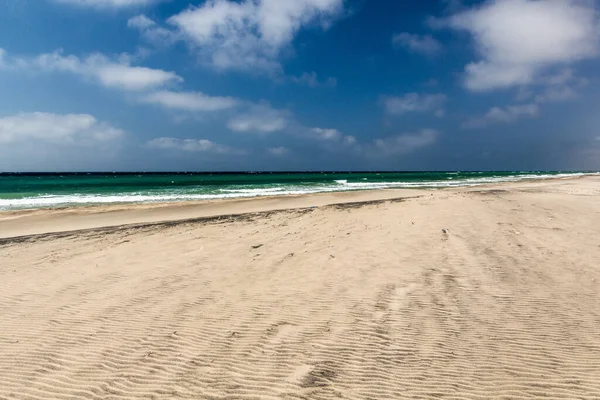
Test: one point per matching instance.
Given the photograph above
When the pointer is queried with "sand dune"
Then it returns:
(356, 301)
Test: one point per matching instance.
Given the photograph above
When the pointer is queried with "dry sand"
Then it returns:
(356, 301)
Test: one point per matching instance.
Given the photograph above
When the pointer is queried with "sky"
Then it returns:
(254, 85)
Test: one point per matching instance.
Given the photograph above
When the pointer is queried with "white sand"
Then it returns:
(354, 302)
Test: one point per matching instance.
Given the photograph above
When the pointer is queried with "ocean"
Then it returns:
(53, 190)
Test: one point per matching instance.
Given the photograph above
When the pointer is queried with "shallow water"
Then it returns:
(20, 191)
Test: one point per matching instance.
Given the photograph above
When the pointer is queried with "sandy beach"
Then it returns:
(468, 293)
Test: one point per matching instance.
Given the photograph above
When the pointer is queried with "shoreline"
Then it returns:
(72, 200)
(39, 222)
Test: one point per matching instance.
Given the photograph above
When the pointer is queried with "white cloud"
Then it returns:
(423, 44)
(134, 78)
(556, 94)
(108, 3)
(62, 129)
(260, 118)
(563, 77)
(11, 63)
(118, 74)
(510, 114)
(562, 86)
(503, 115)
(312, 80)
(414, 102)
(250, 34)
(39, 141)
(191, 145)
(349, 140)
(114, 73)
(190, 101)
(151, 31)
(140, 22)
(331, 135)
(326, 134)
(518, 40)
(404, 143)
(278, 151)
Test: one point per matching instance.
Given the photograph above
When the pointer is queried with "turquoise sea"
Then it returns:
(51, 190)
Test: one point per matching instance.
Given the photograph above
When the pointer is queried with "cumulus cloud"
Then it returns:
(414, 102)
(190, 101)
(404, 143)
(331, 135)
(251, 34)
(191, 145)
(503, 115)
(114, 73)
(422, 44)
(62, 129)
(326, 134)
(10, 63)
(40, 141)
(518, 40)
(134, 78)
(260, 118)
(110, 73)
(311, 80)
(278, 151)
(556, 94)
(140, 22)
(349, 140)
(151, 31)
(562, 86)
(108, 3)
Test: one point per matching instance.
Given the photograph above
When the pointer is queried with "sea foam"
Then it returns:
(52, 201)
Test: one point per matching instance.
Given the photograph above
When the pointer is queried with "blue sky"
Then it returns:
(152, 85)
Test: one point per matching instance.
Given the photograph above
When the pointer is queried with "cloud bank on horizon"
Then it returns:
(300, 84)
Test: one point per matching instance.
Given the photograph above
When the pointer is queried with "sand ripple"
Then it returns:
(368, 302)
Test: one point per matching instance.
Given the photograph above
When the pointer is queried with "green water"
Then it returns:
(18, 191)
